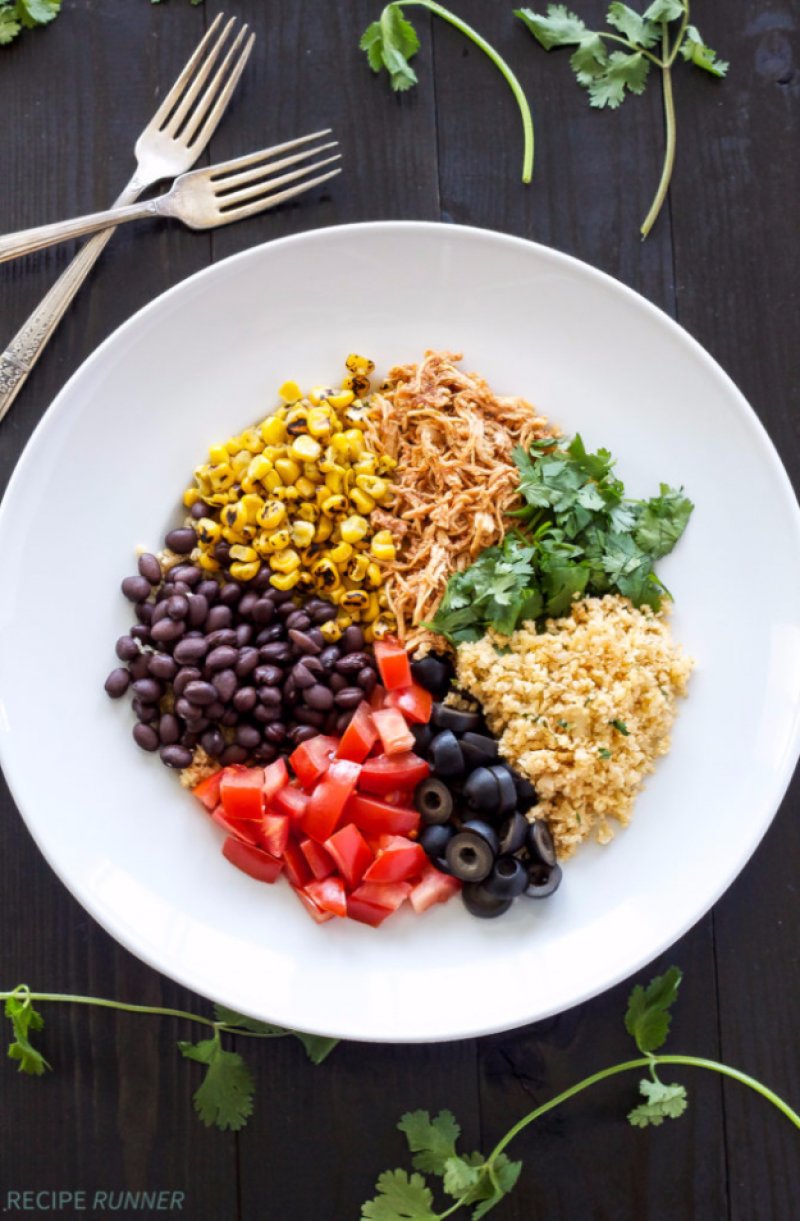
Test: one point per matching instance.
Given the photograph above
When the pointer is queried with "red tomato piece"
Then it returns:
(328, 894)
(397, 860)
(320, 862)
(273, 833)
(297, 870)
(375, 817)
(415, 703)
(292, 801)
(275, 777)
(326, 803)
(253, 861)
(351, 853)
(247, 832)
(385, 773)
(311, 759)
(366, 913)
(393, 663)
(378, 698)
(388, 895)
(207, 791)
(395, 734)
(433, 887)
(242, 792)
(360, 736)
(316, 913)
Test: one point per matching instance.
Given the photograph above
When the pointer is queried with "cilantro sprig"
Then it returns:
(578, 535)
(652, 39)
(475, 1182)
(391, 41)
(16, 15)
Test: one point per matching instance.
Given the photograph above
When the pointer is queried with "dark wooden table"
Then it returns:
(116, 1113)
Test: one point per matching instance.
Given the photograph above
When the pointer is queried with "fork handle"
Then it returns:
(29, 240)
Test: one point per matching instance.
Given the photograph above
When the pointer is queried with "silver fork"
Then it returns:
(169, 145)
(202, 199)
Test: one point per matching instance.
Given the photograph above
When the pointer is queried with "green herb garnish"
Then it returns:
(621, 727)
(18, 14)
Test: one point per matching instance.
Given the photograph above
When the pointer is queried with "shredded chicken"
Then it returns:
(455, 482)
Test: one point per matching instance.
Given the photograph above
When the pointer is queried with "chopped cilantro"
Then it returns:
(604, 752)
(621, 727)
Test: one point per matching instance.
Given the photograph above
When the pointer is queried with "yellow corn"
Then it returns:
(246, 554)
(354, 528)
(341, 553)
(333, 504)
(325, 575)
(245, 571)
(331, 632)
(306, 488)
(304, 579)
(290, 493)
(324, 530)
(273, 430)
(272, 482)
(334, 481)
(358, 569)
(366, 465)
(258, 467)
(376, 488)
(290, 392)
(312, 473)
(386, 464)
(288, 470)
(305, 449)
(285, 561)
(271, 515)
(372, 609)
(279, 541)
(343, 620)
(307, 512)
(355, 599)
(356, 382)
(341, 398)
(318, 422)
(359, 364)
(359, 500)
(382, 546)
(320, 394)
(374, 575)
(217, 454)
(207, 562)
(191, 497)
(302, 533)
(208, 530)
(251, 507)
(221, 478)
(284, 580)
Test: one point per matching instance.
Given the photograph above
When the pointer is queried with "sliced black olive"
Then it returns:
(526, 793)
(508, 878)
(482, 791)
(423, 736)
(434, 674)
(479, 902)
(445, 755)
(543, 881)
(444, 717)
(513, 833)
(434, 801)
(469, 857)
(478, 827)
(508, 793)
(434, 839)
(540, 843)
(479, 749)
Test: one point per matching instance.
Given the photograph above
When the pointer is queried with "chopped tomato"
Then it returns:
(326, 803)
(351, 853)
(397, 860)
(360, 736)
(366, 913)
(320, 862)
(393, 663)
(316, 913)
(328, 894)
(292, 801)
(311, 759)
(297, 870)
(242, 792)
(253, 861)
(273, 833)
(384, 774)
(247, 832)
(433, 887)
(395, 734)
(388, 895)
(415, 703)
(376, 817)
(207, 790)
(378, 698)
(275, 777)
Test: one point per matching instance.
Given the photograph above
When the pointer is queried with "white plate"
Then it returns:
(104, 472)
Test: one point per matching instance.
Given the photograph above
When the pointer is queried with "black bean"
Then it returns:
(200, 693)
(215, 711)
(299, 620)
(285, 609)
(304, 641)
(212, 742)
(265, 753)
(145, 612)
(161, 666)
(136, 589)
(148, 689)
(302, 676)
(198, 510)
(140, 631)
(167, 629)
(329, 656)
(279, 596)
(169, 729)
(320, 697)
(302, 733)
(229, 718)
(342, 721)
(222, 552)
(338, 682)
(316, 635)
(329, 725)
(231, 594)
(323, 612)
(176, 756)
(352, 639)
(191, 648)
(159, 611)
(182, 540)
(221, 658)
(223, 635)
(117, 682)
(277, 651)
(179, 587)
(188, 574)
(149, 568)
(270, 697)
(219, 617)
(145, 737)
(249, 736)
(126, 648)
(245, 699)
(268, 635)
(267, 675)
(314, 666)
(246, 662)
(290, 690)
(140, 666)
(310, 716)
(276, 732)
(352, 663)
(264, 715)
(367, 680)
(349, 697)
(263, 611)
(146, 713)
(262, 581)
(209, 589)
(190, 738)
(186, 710)
(244, 634)
(226, 683)
(188, 674)
(247, 603)
(198, 610)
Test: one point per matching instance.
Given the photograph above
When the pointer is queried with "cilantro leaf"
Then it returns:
(663, 1102)
(462, 1174)
(318, 1046)
(432, 1141)
(647, 1018)
(224, 1098)
(493, 1186)
(662, 521)
(37, 12)
(695, 51)
(25, 1018)
(633, 25)
(390, 43)
(624, 71)
(401, 1197)
(665, 10)
(560, 28)
(9, 26)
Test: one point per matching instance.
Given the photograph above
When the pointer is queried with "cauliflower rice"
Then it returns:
(583, 709)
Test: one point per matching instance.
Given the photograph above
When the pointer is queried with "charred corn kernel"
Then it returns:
(334, 481)
(298, 412)
(354, 528)
(304, 579)
(218, 454)
(286, 560)
(358, 569)
(377, 488)
(288, 470)
(382, 545)
(191, 497)
(325, 574)
(250, 440)
(341, 398)
(271, 452)
(383, 599)
(279, 541)
(374, 575)
(318, 422)
(339, 446)
(355, 599)
(221, 478)
(258, 467)
(246, 554)
(207, 562)
(378, 629)
(291, 493)
(331, 632)
(229, 535)
(305, 449)
(271, 515)
(359, 500)
(306, 488)
(359, 364)
(208, 531)
(273, 430)
(333, 504)
(344, 620)
(251, 505)
(290, 392)
(341, 553)
(358, 383)
(366, 465)
(307, 512)
(230, 516)
(320, 394)
(355, 443)
(372, 609)
(284, 580)
(324, 530)
(357, 415)
(386, 464)
(272, 482)
(262, 545)
(302, 533)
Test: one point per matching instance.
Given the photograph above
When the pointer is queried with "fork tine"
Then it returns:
(240, 163)
(199, 79)
(205, 102)
(214, 116)
(174, 95)
(270, 201)
(260, 188)
(231, 181)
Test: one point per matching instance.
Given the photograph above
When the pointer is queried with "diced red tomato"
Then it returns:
(320, 862)
(292, 801)
(253, 861)
(360, 736)
(247, 832)
(242, 792)
(378, 698)
(297, 870)
(376, 817)
(273, 832)
(433, 887)
(275, 777)
(207, 791)
(397, 860)
(326, 803)
(395, 734)
(388, 895)
(366, 913)
(316, 913)
(351, 853)
(393, 663)
(385, 773)
(311, 759)
(415, 703)
(328, 894)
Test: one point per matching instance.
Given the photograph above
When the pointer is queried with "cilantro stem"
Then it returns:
(679, 37)
(671, 133)
(500, 63)
(632, 46)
